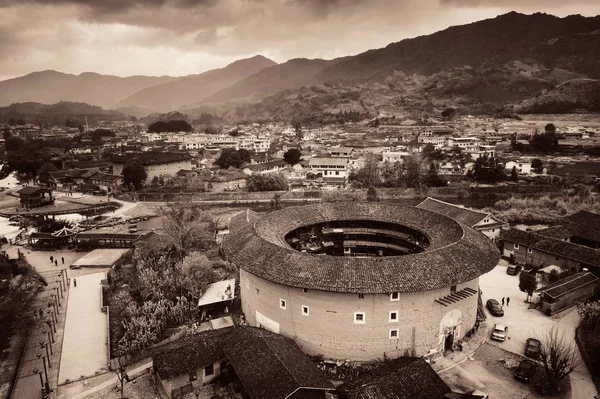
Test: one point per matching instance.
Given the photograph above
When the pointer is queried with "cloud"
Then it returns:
(179, 37)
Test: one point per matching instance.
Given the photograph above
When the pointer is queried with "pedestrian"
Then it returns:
(51, 259)
(502, 301)
(63, 259)
(507, 301)
(56, 262)
(74, 282)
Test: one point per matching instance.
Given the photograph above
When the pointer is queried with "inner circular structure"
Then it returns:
(358, 238)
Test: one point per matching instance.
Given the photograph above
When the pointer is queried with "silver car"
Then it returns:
(499, 332)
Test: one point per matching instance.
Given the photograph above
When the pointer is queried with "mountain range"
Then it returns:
(507, 61)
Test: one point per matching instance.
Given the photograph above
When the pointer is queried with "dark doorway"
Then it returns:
(448, 342)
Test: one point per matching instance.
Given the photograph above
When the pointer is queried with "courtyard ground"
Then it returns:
(524, 322)
(85, 350)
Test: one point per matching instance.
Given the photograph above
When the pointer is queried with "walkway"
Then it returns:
(85, 340)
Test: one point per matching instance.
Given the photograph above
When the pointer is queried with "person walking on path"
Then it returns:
(51, 259)
(63, 260)
(74, 282)
(507, 301)
(502, 301)
(56, 262)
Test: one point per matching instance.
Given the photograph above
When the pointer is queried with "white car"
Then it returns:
(499, 332)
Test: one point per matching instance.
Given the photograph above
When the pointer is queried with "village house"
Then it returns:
(394, 156)
(269, 365)
(341, 152)
(32, 197)
(225, 182)
(184, 365)
(155, 163)
(481, 221)
(266, 167)
(436, 135)
(328, 171)
(567, 291)
(522, 167)
(538, 250)
(405, 377)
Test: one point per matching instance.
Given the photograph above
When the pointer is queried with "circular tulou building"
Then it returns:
(360, 280)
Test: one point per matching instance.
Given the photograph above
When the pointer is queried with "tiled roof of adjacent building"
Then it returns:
(585, 218)
(456, 253)
(190, 353)
(328, 161)
(271, 366)
(29, 190)
(568, 284)
(402, 378)
(151, 158)
(463, 215)
(553, 246)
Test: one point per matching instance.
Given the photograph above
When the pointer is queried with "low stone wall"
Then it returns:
(588, 354)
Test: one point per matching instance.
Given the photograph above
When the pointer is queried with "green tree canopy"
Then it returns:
(537, 165)
(266, 182)
(134, 175)
(292, 156)
(232, 157)
(170, 126)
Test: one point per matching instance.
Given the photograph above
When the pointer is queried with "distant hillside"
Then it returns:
(49, 87)
(133, 110)
(572, 96)
(502, 60)
(190, 89)
(570, 43)
(57, 114)
(290, 75)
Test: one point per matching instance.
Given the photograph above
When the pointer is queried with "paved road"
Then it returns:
(84, 346)
(523, 323)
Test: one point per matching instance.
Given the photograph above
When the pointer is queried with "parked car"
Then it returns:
(499, 332)
(513, 270)
(525, 371)
(494, 307)
(533, 347)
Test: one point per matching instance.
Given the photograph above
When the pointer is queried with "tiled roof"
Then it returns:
(584, 218)
(569, 284)
(326, 161)
(268, 165)
(463, 215)
(402, 378)
(456, 253)
(553, 246)
(190, 353)
(151, 158)
(271, 366)
(29, 190)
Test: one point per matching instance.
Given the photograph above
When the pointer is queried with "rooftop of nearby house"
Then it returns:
(271, 366)
(470, 217)
(401, 378)
(553, 246)
(190, 353)
(569, 284)
(150, 158)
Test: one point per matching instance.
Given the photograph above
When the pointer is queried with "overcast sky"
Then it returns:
(180, 37)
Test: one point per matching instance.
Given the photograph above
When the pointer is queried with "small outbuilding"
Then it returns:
(32, 196)
(567, 292)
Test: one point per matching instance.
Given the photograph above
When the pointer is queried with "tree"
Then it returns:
(245, 155)
(546, 142)
(369, 174)
(559, 357)
(266, 182)
(448, 113)
(14, 144)
(550, 128)
(275, 203)
(186, 228)
(433, 179)
(229, 157)
(372, 195)
(413, 165)
(514, 175)
(537, 165)
(527, 283)
(431, 153)
(292, 156)
(488, 170)
(134, 175)
(234, 132)
(170, 126)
